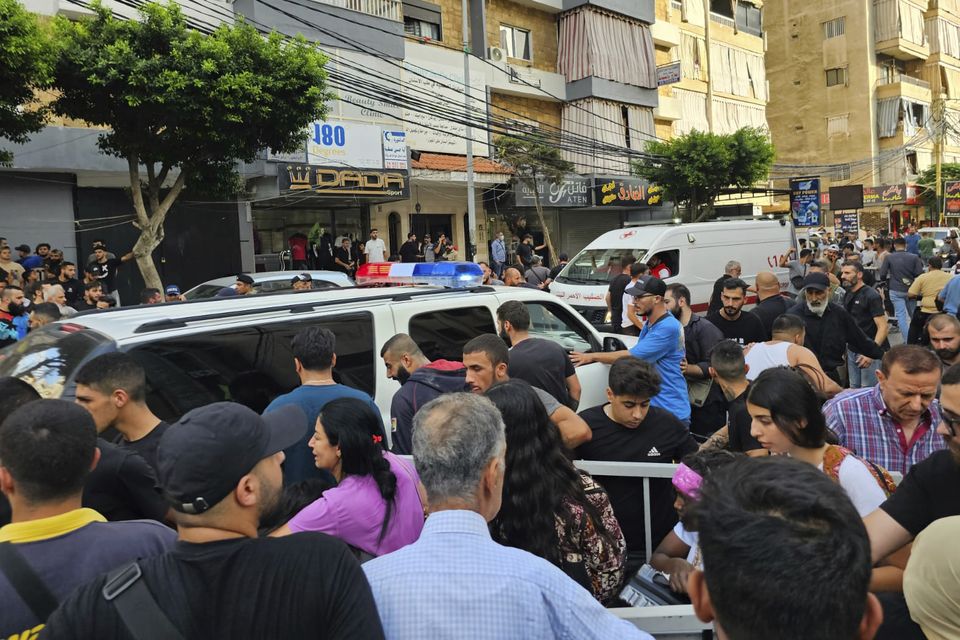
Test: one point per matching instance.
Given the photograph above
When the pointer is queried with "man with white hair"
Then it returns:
(731, 270)
(455, 581)
(56, 294)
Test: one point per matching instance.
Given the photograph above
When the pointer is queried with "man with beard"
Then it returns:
(220, 470)
(421, 380)
(866, 308)
(11, 310)
(72, 288)
(743, 328)
(929, 491)
(893, 423)
(945, 338)
(829, 327)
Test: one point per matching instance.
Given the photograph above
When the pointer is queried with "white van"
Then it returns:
(695, 254)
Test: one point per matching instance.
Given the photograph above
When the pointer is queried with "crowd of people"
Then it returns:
(305, 520)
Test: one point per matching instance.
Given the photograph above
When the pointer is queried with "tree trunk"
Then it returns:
(143, 253)
(706, 213)
(543, 223)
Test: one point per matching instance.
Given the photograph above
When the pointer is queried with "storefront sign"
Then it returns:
(844, 222)
(615, 191)
(347, 144)
(337, 181)
(668, 73)
(573, 191)
(805, 201)
(394, 150)
(884, 195)
(951, 197)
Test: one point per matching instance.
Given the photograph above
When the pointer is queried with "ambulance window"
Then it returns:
(251, 365)
(553, 322)
(442, 334)
(671, 259)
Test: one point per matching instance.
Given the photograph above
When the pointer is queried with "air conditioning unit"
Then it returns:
(496, 54)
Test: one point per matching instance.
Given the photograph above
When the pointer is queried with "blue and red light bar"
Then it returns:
(456, 275)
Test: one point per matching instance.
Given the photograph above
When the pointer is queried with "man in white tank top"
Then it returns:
(787, 350)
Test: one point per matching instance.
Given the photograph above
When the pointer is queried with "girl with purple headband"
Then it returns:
(679, 553)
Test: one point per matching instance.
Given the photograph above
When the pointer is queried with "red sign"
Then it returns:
(951, 196)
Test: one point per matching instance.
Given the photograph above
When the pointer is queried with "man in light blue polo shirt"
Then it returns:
(950, 295)
(660, 344)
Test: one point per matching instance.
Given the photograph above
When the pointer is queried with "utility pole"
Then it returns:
(706, 41)
(939, 129)
(469, 233)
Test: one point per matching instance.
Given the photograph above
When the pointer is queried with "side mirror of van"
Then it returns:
(611, 344)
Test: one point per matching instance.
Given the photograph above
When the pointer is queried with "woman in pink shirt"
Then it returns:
(376, 504)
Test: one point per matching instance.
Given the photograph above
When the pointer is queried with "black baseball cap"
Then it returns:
(816, 281)
(648, 285)
(244, 278)
(202, 457)
(301, 277)
(23, 247)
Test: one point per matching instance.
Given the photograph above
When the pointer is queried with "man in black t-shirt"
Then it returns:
(731, 270)
(615, 291)
(770, 303)
(628, 429)
(105, 269)
(220, 469)
(729, 372)
(929, 490)
(343, 258)
(410, 250)
(733, 322)
(543, 363)
(113, 388)
(525, 253)
(866, 308)
(72, 288)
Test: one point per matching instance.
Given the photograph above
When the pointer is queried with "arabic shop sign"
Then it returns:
(337, 181)
(805, 201)
(573, 191)
(951, 196)
(614, 191)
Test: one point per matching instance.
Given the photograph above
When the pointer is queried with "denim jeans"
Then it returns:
(902, 308)
(861, 378)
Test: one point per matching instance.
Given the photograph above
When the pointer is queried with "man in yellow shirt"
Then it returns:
(925, 288)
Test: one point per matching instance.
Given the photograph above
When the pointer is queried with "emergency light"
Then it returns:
(456, 275)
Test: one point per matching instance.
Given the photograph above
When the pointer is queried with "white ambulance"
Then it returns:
(694, 253)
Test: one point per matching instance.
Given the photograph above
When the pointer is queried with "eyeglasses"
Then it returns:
(950, 421)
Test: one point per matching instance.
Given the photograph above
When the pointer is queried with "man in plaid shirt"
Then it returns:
(894, 423)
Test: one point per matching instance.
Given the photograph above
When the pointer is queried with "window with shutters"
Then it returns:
(834, 28)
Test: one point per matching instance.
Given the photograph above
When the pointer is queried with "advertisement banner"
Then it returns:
(346, 144)
(573, 191)
(337, 181)
(805, 201)
(668, 74)
(884, 195)
(619, 191)
(951, 197)
(394, 150)
(843, 222)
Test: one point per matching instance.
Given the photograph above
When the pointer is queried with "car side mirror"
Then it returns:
(611, 344)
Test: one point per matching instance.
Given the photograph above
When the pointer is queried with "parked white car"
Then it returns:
(269, 281)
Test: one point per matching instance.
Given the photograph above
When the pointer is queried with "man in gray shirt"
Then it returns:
(901, 268)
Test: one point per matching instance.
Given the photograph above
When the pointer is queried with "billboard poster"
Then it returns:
(951, 197)
(805, 201)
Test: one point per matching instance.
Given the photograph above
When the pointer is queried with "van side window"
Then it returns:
(553, 322)
(442, 333)
(250, 365)
(671, 259)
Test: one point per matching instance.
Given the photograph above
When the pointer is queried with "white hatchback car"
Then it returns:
(269, 281)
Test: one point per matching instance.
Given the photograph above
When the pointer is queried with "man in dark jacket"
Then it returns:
(770, 303)
(420, 382)
(829, 327)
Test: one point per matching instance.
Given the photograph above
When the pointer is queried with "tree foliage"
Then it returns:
(927, 185)
(184, 105)
(25, 60)
(534, 161)
(694, 168)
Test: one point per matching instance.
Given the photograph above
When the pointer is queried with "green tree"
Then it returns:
(695, 168)
(182, 105)
(534, 161)
(927, 186)
(25, 58)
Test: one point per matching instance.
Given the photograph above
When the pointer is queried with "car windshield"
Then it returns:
(203, 291)
(48, 357)
(596, 266)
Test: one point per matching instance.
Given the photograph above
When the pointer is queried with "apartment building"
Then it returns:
(853, 86)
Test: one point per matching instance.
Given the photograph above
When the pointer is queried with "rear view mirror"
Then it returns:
(611, 344)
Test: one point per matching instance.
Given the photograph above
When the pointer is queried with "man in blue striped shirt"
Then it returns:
(455, 581)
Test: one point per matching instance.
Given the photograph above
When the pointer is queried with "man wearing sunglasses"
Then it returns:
(929, 491)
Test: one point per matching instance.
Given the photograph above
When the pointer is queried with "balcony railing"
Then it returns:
(900, 77)
(387, 9)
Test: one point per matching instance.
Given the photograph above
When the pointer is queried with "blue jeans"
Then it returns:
(902, 308)
(861, 378)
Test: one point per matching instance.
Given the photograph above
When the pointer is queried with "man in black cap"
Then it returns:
(830, 328)
(105, 269)
(220, 470)
(302, 282)
(244, 284)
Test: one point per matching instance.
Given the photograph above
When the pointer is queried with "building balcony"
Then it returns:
(902, 85)
(665, 34)
(902, 49)
(387, 9)
(668, 108)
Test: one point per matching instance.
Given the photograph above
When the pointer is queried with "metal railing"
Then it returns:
(388, 9)
(902, 77)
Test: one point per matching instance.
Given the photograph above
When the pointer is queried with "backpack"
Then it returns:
(833, 457)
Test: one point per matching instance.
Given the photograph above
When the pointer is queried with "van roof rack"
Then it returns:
(306, 307)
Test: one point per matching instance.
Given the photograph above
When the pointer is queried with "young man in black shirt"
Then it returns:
(105, 269)
(729, 372)
(220, 469)
(542, 363)
(615, 291)
(733, 322)
(628, 429)
(72, 288)
(113, 388)
(929, 490)
(865, 306)
(410, 250)
(344, 259)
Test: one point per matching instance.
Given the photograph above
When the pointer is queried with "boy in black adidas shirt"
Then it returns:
(628, 429)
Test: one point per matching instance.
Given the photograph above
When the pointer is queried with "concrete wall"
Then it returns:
(541, 24)
(639, 9)
(38, 207)
(542, 111)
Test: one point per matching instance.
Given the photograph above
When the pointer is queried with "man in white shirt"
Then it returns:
(375, 249)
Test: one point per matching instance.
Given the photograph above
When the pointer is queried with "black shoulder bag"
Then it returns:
(136, 605)
(26, 582)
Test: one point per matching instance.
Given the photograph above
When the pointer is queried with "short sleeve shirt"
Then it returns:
(543, 363)
(738, 426)
(927, 493)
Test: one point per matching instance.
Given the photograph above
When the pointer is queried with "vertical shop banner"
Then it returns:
(951, 197)
(805, 201)
(394, 149)
(844, 222)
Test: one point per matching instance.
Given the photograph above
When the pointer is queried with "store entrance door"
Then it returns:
(432, 223)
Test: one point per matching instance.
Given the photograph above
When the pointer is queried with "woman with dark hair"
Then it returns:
(787, 419)
(376, 504)
(679, 553)
(551, 509)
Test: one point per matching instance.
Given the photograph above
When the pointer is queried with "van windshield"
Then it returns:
(596, 266)
(48, 357)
